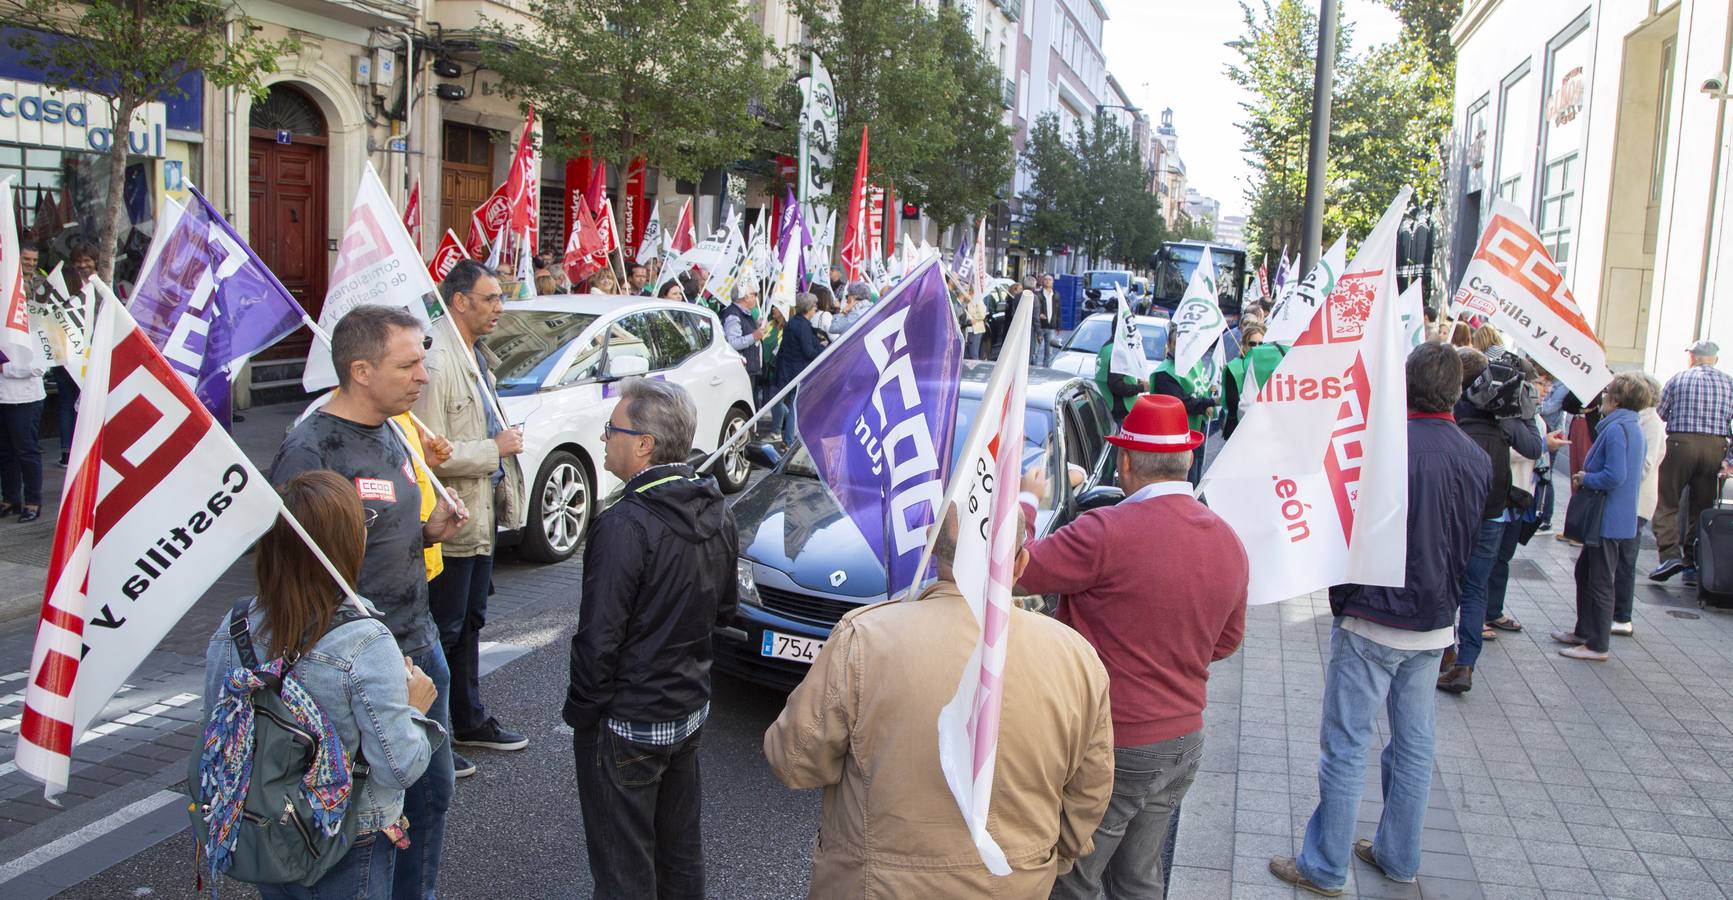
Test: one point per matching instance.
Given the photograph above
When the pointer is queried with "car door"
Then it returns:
(1085, 419)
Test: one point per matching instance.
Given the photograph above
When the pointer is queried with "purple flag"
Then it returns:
(963, 264)
(210, 303)
(885, 452)
(793, 227)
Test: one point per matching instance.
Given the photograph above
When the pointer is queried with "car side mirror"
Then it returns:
(1099, 498)
(627, 366)
(763, 455)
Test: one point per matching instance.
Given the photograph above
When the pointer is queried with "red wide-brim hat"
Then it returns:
(1157, 423)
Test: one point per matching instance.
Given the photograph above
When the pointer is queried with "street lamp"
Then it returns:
(1102, 107)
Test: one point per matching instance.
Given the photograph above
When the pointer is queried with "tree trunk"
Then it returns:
(108, 221)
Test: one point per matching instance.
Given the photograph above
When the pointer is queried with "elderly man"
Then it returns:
(1127, 584)
(861, 726)
(743, 331)
(1386, 645)
(378, 352)
(857, 301)
(460, 403)
(658, 577)
(1697, 405)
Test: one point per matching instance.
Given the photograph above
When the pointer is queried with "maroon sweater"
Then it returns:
(1158, 587)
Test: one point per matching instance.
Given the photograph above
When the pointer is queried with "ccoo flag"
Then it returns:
(884, 452)
(158, 502)
(210, 302)
(1316, 476)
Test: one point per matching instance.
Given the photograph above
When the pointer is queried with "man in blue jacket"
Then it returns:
(1386, 644)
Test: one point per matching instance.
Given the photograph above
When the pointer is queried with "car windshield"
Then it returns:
(528, 343)
(1089, 336)
(1104, 281)
(1176, 262)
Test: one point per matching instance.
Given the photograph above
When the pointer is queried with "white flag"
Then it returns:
(376, 263)
(1315, 479)
(1128, 358)
(17, 339)
(1198, 318)
(651, 245)
(1413, 316)
(725, 270)
(987, 470)
(1513, 281)
(1299, 303)
(158, 503)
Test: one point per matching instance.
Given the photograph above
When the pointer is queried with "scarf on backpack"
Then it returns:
(226, 762)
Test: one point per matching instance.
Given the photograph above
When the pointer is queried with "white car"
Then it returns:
(560, 359)
(1077, 355)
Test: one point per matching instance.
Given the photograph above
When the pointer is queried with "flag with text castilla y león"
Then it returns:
(1513, 281)
(158, 503)
(1316, 476)
(376, 263)
(1297, 305)
(209, 303)
(17, 339)
(984, 496)
(449, 254)
(878, 411)
(63, 322)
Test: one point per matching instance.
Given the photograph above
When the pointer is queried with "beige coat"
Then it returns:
(1655, 436)
(451, 405)
(864, 726)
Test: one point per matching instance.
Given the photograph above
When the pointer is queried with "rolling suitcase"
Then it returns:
(1715, 552)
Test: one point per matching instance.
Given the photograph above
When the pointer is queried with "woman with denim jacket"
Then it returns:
(375, 699)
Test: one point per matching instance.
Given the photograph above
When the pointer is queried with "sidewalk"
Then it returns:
(1554, 778)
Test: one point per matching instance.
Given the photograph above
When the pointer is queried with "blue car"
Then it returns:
(803, 564)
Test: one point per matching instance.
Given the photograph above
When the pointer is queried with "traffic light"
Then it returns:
(911, 210)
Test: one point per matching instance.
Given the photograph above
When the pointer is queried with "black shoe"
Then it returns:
(490, 736)
(1667, 569)
(32, 513)
(460, 766)
(65, 458)
(1687, 576)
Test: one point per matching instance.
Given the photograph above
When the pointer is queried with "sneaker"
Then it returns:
(1543, 528)
(490, 736)
(461, 766)
(1667, 569)
(1288, 869)
(1584, 653)
(1688, 576)
(1624, 628)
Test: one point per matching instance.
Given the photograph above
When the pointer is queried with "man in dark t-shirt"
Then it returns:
(378, 353)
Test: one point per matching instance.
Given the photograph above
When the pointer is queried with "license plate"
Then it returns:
(788, 646)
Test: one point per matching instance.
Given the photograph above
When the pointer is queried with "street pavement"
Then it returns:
(1554, 778)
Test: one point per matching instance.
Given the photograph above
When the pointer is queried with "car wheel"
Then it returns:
(733, 469)
(559, 509)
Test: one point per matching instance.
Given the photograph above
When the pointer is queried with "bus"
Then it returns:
(1174, 263)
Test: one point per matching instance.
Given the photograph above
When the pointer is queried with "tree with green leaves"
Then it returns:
(1050, 219)
(934, 103)
(133, 53)
(680, 83)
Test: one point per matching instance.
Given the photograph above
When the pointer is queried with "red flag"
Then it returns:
(597, 188)
(16, 337)
(605, 225)
(449, 253)
(412, 213)
(854, 235)
(585, 255)
(476, 247)
(685, 235)
(522, 186)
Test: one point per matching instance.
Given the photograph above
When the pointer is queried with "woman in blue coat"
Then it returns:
(1615, 467)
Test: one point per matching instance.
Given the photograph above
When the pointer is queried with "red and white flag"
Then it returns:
(523, 182)
(987, 474)
(685, 232)
(450, 252)
(855, 237)
(158, 503)
(584, 255)
(494, 215)
(1513, 281)
(17, 338)
(1316, 476)
(412, 213)
(476, 246)
(608, 228)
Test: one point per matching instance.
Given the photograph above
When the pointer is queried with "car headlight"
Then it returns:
(748, 586)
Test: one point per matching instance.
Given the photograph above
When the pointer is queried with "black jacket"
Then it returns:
(1163, 383)
(799, 347)
(659, 575)
(1498, 437)
(1448, 477)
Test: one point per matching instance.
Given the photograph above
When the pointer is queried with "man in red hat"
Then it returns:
(1129, 583)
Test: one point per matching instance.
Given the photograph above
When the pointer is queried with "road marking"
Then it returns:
(64, 845)
(107, 728)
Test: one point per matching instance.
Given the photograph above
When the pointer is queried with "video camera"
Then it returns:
(1501, 391)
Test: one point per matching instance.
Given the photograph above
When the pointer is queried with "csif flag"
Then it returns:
(209, 303)
(651, 246)
(158, 502)
(884, 452)
(1513, 282)
(1413, 316)
(1294, 310)
(1128, 358)
(376, 263)
(449, 254)
(1316, 475)
(1198, 319)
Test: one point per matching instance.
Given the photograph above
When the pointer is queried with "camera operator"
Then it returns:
(1497, 412)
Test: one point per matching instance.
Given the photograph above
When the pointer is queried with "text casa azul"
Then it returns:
(37, 115)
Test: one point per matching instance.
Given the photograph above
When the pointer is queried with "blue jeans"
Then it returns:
(458, 598)
(416, 874)
(364, 873)
(1499, 578)
(1362, 675)
(20, 454)
(1476, 579)
(972, 347)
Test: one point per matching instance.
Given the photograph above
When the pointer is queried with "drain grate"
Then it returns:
(1681, 614)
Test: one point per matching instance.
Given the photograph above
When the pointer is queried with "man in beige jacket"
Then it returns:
(483, 472)
(864, 726)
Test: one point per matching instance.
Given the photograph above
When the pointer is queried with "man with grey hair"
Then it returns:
(857, 302)
(860, 726)
(1697, 405)
(1157, 644)
(743, 331)
(659, 575)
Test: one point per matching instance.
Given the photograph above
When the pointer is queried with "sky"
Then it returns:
(1171, 53)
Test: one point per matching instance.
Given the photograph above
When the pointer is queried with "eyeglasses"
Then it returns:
(488, 299)
(369, 515)
(609, 429)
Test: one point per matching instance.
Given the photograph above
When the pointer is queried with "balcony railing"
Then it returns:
(1013, 9)
(1010, 98)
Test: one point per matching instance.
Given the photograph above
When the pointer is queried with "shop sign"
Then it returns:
(37, 115)
(1567, 102)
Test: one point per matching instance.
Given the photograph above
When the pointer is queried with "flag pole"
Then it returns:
(319, 554)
